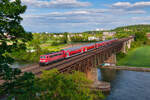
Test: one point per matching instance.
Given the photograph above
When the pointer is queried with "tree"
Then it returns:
(35, 43)
(53, 85)
(65, 38)
(121, 35)
(12, 36)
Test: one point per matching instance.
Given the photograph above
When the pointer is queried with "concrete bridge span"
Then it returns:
(86, 62)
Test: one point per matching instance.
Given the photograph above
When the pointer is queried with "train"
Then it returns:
(73, 51)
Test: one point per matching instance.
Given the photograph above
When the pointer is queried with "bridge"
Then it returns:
(86, 61)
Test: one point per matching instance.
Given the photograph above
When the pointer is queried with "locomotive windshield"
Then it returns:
(42, 57)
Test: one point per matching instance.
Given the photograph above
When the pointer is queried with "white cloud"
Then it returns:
(73, 20)
(130, 5)
(136, 12)
(145, 18)
(121, 4)
(81, 19)
(56, 3)
(141, 4)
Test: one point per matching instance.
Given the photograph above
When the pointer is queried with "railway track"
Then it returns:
(62, 65)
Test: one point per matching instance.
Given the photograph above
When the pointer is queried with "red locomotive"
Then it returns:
(69, 52)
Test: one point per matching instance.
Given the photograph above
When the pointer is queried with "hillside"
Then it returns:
(134, 28)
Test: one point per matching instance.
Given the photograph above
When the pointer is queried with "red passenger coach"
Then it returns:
(87, 47)
(48, 58)
(69, 52)
(99, 44)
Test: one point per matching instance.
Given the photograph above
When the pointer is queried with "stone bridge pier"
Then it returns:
(97, 84)
(112, 59)
(127, 45)
(92, 74)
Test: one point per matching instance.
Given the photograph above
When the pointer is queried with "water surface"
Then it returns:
(127, 85)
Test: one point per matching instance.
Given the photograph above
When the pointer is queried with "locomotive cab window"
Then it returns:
(42, 57)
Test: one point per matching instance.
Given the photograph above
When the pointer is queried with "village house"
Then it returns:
(109, 33)
(148, 35)
(93, 38)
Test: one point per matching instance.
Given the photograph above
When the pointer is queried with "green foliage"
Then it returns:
(53, 85)
(139, 31)
(28, 56)
(121, 35)
(56, 43)
(77, 38)
(120, 55)
(24, 87)
(141, 37)
(84, 37)
(148, 42)
(65, 38)
(134, 28)
(12, 37)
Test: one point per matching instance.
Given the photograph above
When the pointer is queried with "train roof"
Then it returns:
(78, 47)
(51, 53)
(88, 44)
(100, 42)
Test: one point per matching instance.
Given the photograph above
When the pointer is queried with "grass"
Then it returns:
(139, 57)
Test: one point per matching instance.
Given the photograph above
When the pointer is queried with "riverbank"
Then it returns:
(129, 68)
(136, 58)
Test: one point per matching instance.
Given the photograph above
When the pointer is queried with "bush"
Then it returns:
(55, 43)
(53, 85)
(120, 56)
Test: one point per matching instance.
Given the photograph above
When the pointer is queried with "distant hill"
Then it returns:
(134, 28)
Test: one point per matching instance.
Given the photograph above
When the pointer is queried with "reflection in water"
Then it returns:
(127, 85)
(108, 75)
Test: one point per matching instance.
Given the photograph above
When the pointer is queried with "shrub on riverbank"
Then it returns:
(53, 85)
(120, 55)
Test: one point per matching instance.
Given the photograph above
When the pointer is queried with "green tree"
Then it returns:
(65, 38)
(57, 86)
(53, 85)
(121, 35)
(12, 36)
(35, 43)
(141, 36)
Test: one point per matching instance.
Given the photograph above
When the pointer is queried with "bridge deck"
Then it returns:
(66, 64)
(62, 65)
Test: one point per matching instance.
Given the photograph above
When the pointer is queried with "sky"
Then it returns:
(83, 15)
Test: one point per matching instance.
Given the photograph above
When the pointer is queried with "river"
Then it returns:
(126, 85)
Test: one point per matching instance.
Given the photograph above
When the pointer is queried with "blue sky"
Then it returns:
(83, 15)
